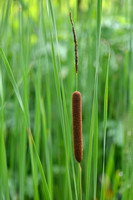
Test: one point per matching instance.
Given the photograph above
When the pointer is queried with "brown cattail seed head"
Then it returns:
(77, 125)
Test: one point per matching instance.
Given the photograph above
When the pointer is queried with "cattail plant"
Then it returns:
(76, 109)
(77, 116)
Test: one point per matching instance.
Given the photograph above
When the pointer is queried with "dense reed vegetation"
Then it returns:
(37, 80)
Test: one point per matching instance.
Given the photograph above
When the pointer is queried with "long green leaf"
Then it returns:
(4, 190)
(34, 171)
(105, 124)
(12, 79)
(45, 186)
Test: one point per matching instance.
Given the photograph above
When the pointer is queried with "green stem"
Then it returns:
(76, 82)
(80, 182)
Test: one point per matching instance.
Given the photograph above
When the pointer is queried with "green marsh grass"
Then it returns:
(4, 190)
(37, 79)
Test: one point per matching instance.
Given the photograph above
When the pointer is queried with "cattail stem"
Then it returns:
(76, 81)
(80, 181)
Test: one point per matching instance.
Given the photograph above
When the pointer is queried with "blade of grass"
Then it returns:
(126, 78)
(45, 186)
(95, 148)
(98, 36)
(4, 190)
(4, 17)
(47, 125)
(90, 150)
(47, 153)
(37, 106)
(11, 77)
(24, 52)
(34, 171)
(105, 124)
(37, 121)
(94, 118)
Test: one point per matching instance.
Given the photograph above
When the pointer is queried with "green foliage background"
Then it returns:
(37, 79)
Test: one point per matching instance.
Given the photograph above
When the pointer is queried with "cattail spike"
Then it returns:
(77, 125)
(75, 41)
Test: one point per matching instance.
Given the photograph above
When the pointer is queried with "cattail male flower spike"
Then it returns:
(75, 41)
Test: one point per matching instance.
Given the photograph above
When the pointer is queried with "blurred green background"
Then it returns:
(37, 71)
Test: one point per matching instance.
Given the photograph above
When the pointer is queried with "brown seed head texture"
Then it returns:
(77, 125)
(75, 41)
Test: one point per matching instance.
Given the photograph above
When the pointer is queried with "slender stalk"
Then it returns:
(105, 125)
(80, 181)
(76, 81)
